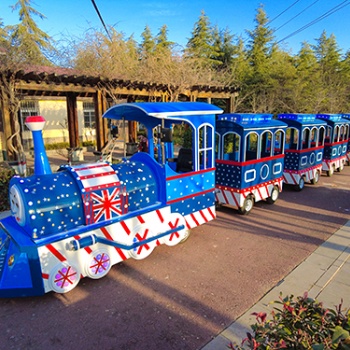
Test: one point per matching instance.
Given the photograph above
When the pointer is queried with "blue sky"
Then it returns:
(74, 17)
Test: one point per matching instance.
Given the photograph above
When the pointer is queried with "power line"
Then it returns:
(283, 11)
(297, 15)
(318, 19)
(101, 19)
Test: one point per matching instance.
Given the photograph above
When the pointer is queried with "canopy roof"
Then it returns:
(195, 112)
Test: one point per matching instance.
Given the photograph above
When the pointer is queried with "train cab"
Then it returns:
(249, 159)
(305, 137)
(336, 142)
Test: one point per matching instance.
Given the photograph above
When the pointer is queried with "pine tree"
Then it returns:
(29, 42)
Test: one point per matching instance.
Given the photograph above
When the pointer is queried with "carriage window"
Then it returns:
(321, 136)
(251, 146)
(266, 144)
(336, 134)
(341, 133)
(279, 143)
(217, 146)
(314, 137)
(328, 134)
(306, 139)
(346, 132)
(292, 136)
(231, 146)
(205, 146)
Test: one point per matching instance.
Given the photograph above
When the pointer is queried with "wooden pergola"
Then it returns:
(60, 82)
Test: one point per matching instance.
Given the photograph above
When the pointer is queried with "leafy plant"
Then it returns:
(5, 177)
(299, 323)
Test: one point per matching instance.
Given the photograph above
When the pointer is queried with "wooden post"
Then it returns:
(72, 114)
(101, 124)
(5, 129)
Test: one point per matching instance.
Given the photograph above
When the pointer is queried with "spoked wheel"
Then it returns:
(316, 178)
(300, 185)
(274, 195)
(142, 251)
(248, 205)
(98, 265)
(178, 235)
(63, 278)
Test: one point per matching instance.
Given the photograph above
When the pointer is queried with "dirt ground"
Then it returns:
(180, 297)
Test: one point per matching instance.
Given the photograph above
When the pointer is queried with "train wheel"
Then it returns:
(316, 178)
(177, 236)
(274, 195)
(63, 278)
(330, 171)
(248, 205)
(142, 251)
(300, 185)
(98, 265)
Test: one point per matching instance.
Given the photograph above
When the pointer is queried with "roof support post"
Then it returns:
(72, 114)
(101, 123)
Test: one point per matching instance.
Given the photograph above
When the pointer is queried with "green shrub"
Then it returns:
(299, 323)
(56, 145)
(5, 177)
(89, 143)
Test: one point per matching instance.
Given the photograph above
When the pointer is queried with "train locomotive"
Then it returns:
(81, 220)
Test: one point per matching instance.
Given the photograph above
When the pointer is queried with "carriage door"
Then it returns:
(206, 147)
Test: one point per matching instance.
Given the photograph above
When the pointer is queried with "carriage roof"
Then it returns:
(301, 120)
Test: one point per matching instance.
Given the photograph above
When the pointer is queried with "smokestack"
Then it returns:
(41, 163)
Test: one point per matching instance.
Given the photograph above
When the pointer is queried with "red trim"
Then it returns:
(160, 216)
(190, 196)
(248, 189)
(191, 173)
(56, 253)
(108, 236)
(94, 166)
(303, 150)
(194, 219)
(125, 227)
(211, 213)
(254, 161)
(91, 176)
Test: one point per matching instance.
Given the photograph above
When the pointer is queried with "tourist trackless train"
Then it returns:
(83, 219)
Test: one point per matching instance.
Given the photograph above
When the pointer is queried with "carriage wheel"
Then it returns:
(274, 195)
(330, 171)
(98, 265)
(300, 185)
(316, 178)
(248, 205)
(63, 278)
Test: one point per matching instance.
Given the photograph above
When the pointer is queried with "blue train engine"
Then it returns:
(347, 116)
(249, 159)
(305, 137)
(80, 221)
(336, 142)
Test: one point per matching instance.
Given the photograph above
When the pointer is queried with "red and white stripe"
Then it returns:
(291, 177)
(235, 198)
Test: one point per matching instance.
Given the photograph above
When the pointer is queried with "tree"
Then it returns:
(148, 44)
(258, 53)
(199, 47)
(21, 45)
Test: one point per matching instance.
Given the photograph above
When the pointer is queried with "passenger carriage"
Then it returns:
(80, 221)
(336, 142)
(303, 149)
(347, 116)
(249, 159)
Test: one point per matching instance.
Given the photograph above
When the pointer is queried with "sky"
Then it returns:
(73, 18)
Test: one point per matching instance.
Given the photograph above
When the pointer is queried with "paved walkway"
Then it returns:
(325, 274)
